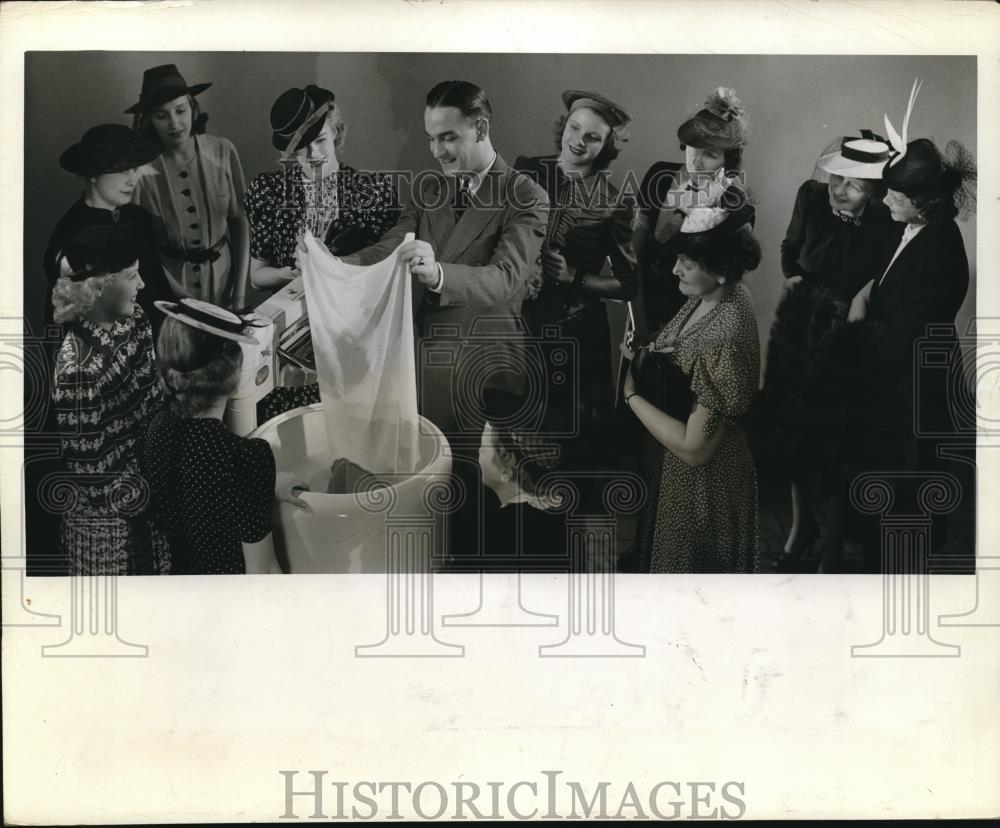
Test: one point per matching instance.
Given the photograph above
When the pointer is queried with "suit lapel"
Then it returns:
(906, 255)
(484, 209)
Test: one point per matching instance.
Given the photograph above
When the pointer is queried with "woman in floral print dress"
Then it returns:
(345, 208)
(705, 514)
(106, 390)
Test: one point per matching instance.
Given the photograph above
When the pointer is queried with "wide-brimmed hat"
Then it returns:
(722, 124)
(106, 148)
(161, 84)
(616, 116)
(863, 157)
(97, 250)
(211, 318)
(297, 117)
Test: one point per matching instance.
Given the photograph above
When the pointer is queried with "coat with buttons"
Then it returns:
(191, 210)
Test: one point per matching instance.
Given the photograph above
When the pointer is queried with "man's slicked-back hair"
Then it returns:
(468, 98)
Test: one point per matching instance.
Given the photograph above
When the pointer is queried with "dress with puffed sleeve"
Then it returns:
(706, 516)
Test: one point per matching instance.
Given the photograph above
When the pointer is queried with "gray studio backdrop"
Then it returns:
(797, 104)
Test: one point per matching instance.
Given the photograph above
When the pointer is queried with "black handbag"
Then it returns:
(660, 380)
(345, 239)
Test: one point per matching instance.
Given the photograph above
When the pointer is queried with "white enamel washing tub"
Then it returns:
(346, 533)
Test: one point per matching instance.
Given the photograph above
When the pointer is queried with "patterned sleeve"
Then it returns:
(260, 204)
(237, 181)
(256, 500)
(390, 204)
(79, 408)
(721, 380)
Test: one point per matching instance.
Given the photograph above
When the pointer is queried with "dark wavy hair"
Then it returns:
(468, 98)
(731, 255)
(938, 204)
(197, 367)
(142, 124)
(732, 158)
(609, 152)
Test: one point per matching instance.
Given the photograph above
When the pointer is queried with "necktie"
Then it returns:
(461, 198)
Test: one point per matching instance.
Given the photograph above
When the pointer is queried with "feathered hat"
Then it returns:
(722, 124)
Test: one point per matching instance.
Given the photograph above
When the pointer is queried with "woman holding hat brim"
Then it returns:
(213, 491)
(840, 233)
(701, 515)
(194, 191)
(105, 391)
(712, 141)
(588, 225)
(345, 208)
(924, 285)
(107, 159)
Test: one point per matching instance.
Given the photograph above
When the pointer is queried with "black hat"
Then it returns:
(616, 116)
(106, 148)
(299, 113)
(918, 171)
(98, 250)
(161, 84)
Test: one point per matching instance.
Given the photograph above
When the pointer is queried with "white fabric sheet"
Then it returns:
(362, 333)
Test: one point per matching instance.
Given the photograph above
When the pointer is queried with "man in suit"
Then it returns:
(479, 228)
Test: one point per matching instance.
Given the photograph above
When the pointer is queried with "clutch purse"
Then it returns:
(345, 239)
(661, 381)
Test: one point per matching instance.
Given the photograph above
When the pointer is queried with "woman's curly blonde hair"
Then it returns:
(71, 300)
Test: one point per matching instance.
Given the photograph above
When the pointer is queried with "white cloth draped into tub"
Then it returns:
(362, 333)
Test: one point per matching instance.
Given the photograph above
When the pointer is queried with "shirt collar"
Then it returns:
(475, 181)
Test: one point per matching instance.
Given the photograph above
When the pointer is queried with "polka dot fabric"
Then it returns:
(706, 516)
(212, 490)
(276, 211)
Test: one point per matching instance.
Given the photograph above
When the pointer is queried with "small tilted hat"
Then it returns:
(722, 124)
(298, 115)
(615, 115)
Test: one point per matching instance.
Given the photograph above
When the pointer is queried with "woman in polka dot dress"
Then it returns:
(705, 515)
(212, 491)
(194, 191)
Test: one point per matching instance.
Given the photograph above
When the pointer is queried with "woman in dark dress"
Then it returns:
(924, 285)
(589, 224)
(105, 391)
(212, 491)
(107, 159)
(704, 515)
(345, 208)
(839, 235)
(523, 519)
